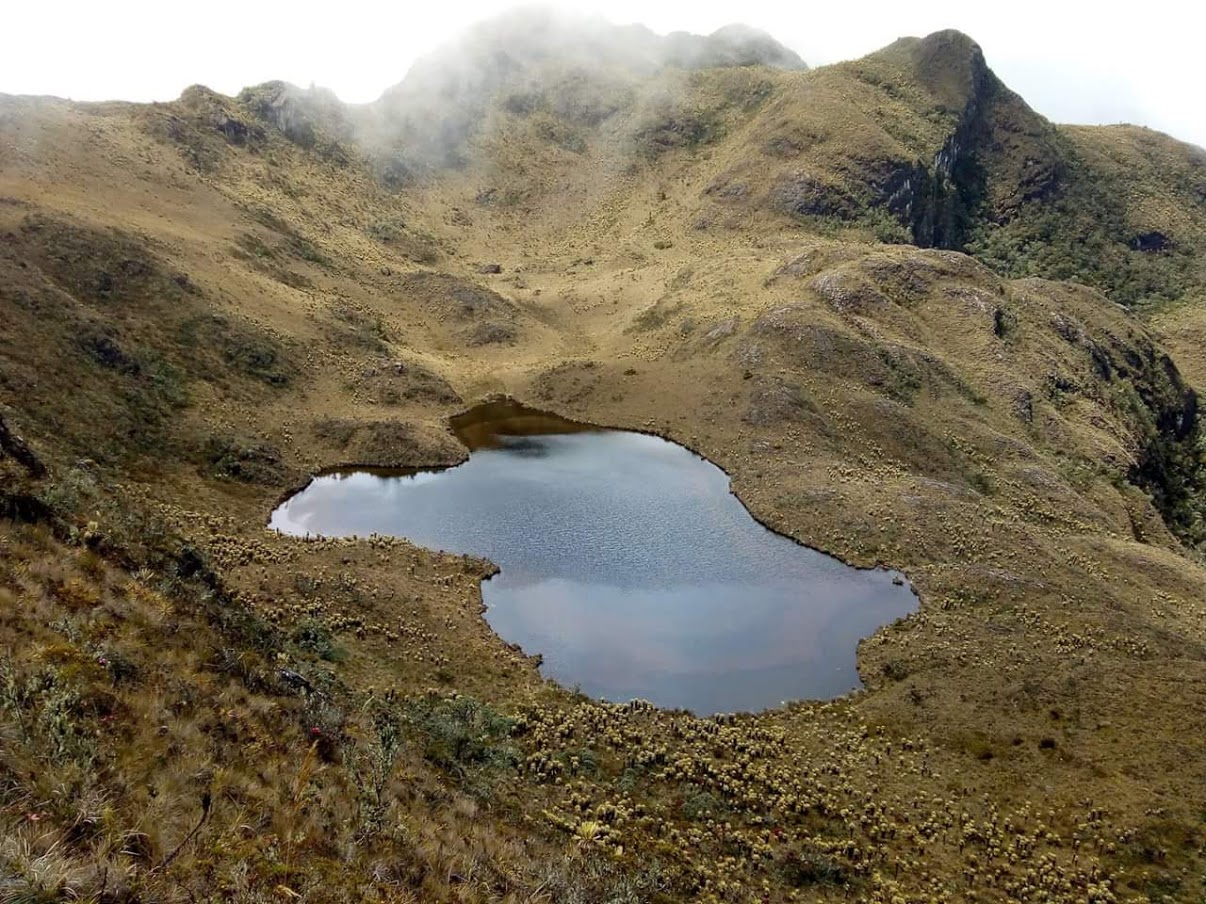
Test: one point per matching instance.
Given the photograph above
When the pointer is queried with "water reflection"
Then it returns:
(625, 562)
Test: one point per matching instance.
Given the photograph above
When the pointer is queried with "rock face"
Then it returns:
(975, 173)
(953, 186)
(1151, 242)
(14, 447)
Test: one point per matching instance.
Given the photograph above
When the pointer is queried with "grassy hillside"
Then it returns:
(205, 301)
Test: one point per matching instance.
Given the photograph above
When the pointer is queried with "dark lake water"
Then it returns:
(625, 562)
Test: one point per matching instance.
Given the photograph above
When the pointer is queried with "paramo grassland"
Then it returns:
(918, 324)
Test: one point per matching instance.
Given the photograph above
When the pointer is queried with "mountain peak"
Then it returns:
(535, 35)
(527, 55)
(948, 63)
(735, 44)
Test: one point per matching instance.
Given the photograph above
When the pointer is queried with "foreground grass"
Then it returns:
(151, 753)
(165, 742)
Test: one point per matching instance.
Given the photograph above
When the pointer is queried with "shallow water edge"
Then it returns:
(627, 563)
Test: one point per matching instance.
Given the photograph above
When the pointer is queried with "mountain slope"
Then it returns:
(919, 142)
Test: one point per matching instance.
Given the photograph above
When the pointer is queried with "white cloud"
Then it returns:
(1114, 63)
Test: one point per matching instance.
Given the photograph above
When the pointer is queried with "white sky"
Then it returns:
(1133, 62)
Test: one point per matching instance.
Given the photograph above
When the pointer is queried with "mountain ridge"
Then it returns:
(989, 180)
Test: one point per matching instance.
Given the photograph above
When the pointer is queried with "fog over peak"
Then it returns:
(582, 68)
(533, 35)
(1110, 67)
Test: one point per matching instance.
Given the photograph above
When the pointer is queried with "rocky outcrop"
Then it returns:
(1171, 465)
(14, 447)
(732, 45)
(1154, 242)
(998, 154)
(1144, 386)
(313, 118)
(520, 62)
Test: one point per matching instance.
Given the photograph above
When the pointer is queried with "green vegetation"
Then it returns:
(806, 868)
(462, 736)
(678, 128)
(419, 246)
(238, 349)
(1084, 234)
(359, 327)
(231, 458)
(315, 637)
(1172, 470)
(314, 119)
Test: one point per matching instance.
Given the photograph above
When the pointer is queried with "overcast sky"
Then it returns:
(1134, 62)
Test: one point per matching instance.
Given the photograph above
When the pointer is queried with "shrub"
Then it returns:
(702, 804)
(248, 462)
(461, 734)
(809, 867)
(315, 637)
(46, 710)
